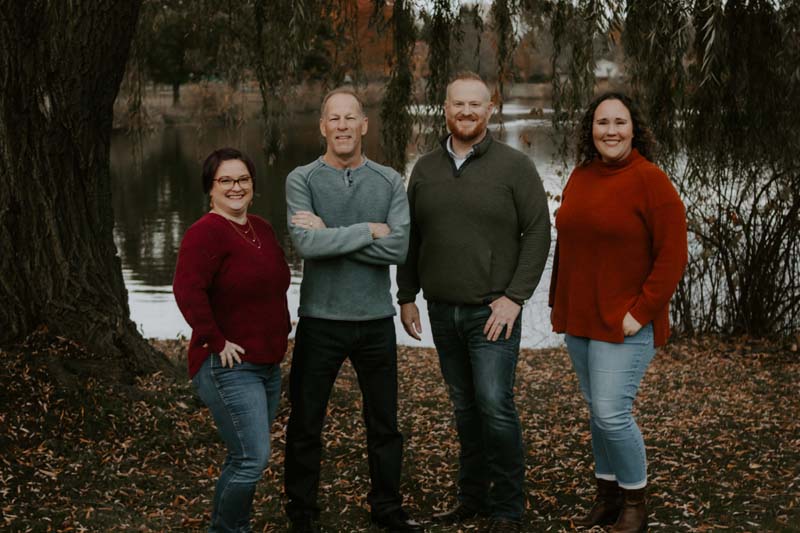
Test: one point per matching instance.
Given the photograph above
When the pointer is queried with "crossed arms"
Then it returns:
(376, 243)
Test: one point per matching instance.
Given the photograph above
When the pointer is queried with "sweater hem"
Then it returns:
(345, 318)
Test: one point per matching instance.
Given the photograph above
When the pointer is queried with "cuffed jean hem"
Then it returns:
(632, 486)
(606, 477)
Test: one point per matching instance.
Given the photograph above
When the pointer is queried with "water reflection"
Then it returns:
(157, 195)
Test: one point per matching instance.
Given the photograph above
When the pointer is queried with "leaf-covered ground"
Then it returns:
(720, 420)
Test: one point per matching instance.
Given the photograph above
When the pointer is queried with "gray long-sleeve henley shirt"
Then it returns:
(346, 271)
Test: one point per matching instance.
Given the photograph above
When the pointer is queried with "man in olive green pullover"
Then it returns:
(480, 236)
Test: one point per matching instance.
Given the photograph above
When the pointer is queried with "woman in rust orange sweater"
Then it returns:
(620, 253)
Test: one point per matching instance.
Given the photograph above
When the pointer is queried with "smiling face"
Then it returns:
(612, 130)
(467, 110)
(233, 201)
(343, 124)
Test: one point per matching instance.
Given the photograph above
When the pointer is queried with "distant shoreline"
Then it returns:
(216, 102)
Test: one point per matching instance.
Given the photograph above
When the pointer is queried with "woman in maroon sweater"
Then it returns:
(620, 254)
(230, 284)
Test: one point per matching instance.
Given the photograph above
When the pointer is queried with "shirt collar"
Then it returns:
(449, 145)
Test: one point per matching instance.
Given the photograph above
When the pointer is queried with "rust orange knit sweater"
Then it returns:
(621, 248)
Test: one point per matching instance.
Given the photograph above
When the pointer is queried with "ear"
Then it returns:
(322, 126)
(364, 126)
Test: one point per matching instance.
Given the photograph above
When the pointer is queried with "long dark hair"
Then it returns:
(643, 139)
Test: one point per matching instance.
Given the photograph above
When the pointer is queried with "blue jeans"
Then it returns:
(480, 379)
(243, 401)
(609, 376)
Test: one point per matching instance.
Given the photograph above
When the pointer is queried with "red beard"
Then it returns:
(468, 133)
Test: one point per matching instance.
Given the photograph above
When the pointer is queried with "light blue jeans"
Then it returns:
(609, 376)
(243, 401)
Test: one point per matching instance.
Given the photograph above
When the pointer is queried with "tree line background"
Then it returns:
(719, 82)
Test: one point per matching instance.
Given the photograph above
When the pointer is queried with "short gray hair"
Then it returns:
(341, 90)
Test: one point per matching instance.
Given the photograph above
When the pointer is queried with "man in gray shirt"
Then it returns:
(348, 219)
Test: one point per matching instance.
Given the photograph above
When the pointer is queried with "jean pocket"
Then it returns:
(643, 336)
(216, 364)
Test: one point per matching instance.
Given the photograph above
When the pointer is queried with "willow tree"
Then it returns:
(60, 70)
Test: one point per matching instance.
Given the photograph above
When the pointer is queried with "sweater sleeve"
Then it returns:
(551, 298)
(198, 262)
(665, 218)
(319, 243)
(534, 220)
(407, 273)
(392, 249)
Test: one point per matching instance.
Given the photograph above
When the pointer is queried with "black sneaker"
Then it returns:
(397, 521)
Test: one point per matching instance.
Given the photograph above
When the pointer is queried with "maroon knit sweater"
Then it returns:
(227, 289)
(621, 248)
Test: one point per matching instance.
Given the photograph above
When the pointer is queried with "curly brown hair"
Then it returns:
(643, 139)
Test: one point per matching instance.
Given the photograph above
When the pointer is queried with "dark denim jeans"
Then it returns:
(243, 401)
(321, 347)
(480, 380)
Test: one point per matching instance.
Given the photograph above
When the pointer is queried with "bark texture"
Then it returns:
(60, 71)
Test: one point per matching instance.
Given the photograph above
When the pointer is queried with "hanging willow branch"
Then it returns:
(137, 122)
(395, 115)
(573, 58)
(503, 13)
(285, 32)
(340, 18)
(282, 39)
(574, 27)
(656, 40)
(476, 19)
(443, 28)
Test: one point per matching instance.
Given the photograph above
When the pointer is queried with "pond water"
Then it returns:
(157, 195)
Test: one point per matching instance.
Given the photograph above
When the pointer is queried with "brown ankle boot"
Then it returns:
(606, 508)
(633, 518)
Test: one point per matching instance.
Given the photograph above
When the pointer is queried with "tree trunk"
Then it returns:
(60, 71)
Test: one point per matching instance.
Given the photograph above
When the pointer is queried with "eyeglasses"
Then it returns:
(245, 182)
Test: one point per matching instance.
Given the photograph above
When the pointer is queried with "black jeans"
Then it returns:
(321, 347)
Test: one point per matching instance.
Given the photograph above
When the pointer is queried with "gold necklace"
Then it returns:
(254, 240)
